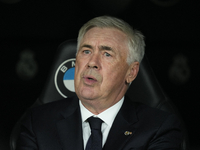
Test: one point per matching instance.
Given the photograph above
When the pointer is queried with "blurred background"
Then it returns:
(31, 31)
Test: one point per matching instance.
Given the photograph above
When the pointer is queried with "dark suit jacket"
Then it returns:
(57, 126)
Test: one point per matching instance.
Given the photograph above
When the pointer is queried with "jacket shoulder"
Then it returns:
(53, 109)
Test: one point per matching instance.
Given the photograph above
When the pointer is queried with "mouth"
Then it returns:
(89, 79)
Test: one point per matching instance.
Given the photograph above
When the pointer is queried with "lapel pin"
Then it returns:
(127, 133)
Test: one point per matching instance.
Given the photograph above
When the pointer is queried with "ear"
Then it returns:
(132, 72)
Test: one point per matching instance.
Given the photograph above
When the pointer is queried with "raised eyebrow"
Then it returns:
(86, 46)
(100, 47)
(106, 48)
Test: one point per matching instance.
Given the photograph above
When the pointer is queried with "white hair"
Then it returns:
(136, 44)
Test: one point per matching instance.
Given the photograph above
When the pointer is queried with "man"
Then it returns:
(109, 52)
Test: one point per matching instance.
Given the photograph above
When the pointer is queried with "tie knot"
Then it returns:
(95, 123)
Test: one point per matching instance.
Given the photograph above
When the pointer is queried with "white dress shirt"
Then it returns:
(107, 116)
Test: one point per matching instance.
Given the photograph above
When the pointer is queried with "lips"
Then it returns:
(89, 79)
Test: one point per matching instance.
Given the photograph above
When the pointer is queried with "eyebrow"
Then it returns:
(105, 48)
(86, 45)
(102, 47)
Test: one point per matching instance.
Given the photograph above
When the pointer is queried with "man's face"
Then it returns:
(101, 66)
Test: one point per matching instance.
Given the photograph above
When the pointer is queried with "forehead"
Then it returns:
(111, 37)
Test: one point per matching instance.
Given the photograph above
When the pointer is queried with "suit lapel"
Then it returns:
(123, 127)
(70, 127)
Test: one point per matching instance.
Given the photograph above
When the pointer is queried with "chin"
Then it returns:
(87, 95)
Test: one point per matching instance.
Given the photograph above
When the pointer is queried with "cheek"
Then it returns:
(118, 72)
(78, 67)
(112, 74)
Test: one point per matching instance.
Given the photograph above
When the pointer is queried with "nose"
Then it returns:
(94, 61)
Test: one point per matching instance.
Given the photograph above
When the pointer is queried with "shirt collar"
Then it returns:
(107, 116)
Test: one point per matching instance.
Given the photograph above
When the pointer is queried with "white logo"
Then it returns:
(64, 78)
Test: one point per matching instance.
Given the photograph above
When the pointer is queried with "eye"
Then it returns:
(86, 52)
(107, 54)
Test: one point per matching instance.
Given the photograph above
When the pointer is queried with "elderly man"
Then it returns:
(109, 52)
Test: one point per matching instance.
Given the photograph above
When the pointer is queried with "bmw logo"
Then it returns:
(64, 78)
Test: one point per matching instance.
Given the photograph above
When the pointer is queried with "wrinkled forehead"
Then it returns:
(105, 37)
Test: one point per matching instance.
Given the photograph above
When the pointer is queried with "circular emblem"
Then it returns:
(64, 78)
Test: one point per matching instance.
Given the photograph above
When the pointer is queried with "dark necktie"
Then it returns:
(95, 140)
